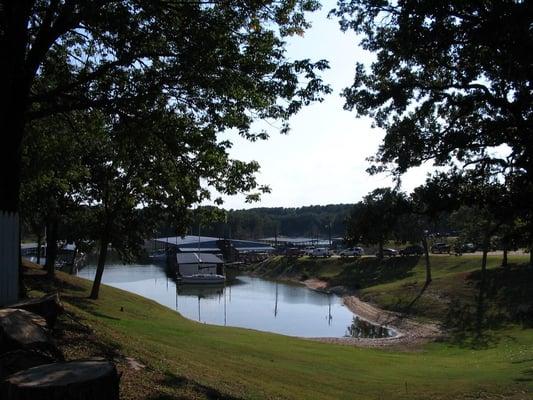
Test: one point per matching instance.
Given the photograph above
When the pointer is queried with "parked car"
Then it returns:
(308, 251)
(320, 252)
(460, 248)
(388, 252)
(440, 248)
(352, 252)
(469, 248)
(293, 252)
(414, 250)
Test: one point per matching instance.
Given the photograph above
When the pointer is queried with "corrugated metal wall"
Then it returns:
(191, 269)
(9, 257)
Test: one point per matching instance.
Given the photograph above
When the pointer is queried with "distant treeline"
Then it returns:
(312, 221)
(256, 223)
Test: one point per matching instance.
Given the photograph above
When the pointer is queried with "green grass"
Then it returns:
(393, 283)
(239, 363)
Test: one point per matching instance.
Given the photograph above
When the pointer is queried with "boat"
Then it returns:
(158, 255)
(202, 278)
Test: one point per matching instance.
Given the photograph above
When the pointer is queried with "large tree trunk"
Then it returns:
(15, 83)
(10, 148)
(482, 284)
(428, 264)
(14, 91)
(505, 263)
(380, 250)
(102, 254)
(531, 243)
(51, 247)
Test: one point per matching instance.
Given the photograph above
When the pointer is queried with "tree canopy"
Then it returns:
(451, 82)
(258, 223)
(373, 220)
(139, 91)
(216, 65)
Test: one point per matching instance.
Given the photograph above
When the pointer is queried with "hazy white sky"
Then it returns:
(323, 158)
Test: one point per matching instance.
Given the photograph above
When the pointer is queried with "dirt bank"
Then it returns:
(409, 333)
(316, 284)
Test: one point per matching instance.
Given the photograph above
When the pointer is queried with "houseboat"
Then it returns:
(199, 268)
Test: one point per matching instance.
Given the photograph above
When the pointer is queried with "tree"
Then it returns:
(218, 65)
(487, 205)
(451, 79)
(511, 236)
(451, 83)
(52, 176)
(413, 226)
(123, 178)
(427, 202)
(373, 220)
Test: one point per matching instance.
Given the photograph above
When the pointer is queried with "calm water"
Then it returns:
(246, 302)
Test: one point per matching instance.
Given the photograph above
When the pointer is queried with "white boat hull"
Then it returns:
(203, 279)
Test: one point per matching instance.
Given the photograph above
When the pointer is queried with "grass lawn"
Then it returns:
(393, 283)
(185, 359)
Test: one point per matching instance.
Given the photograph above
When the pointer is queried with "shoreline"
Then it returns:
(409, 333)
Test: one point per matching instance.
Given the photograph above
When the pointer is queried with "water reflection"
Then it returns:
(201, 292)
(247, 302)
(360, 328)
(276, 305)
(329, 317)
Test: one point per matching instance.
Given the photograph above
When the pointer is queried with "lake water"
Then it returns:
(247, 302)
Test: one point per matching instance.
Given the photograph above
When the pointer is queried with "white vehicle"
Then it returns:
(352, 252)
(320, 252)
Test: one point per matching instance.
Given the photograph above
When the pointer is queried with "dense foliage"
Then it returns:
(451, 81)
(140, 91)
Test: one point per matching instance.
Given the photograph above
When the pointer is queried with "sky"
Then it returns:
(323, 158)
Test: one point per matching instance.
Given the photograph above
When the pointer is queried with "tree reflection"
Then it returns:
(364, 329)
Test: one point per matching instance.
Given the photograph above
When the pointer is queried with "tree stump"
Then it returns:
(49, 307)
(20, 360)
(21, 329)
(73, 380)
